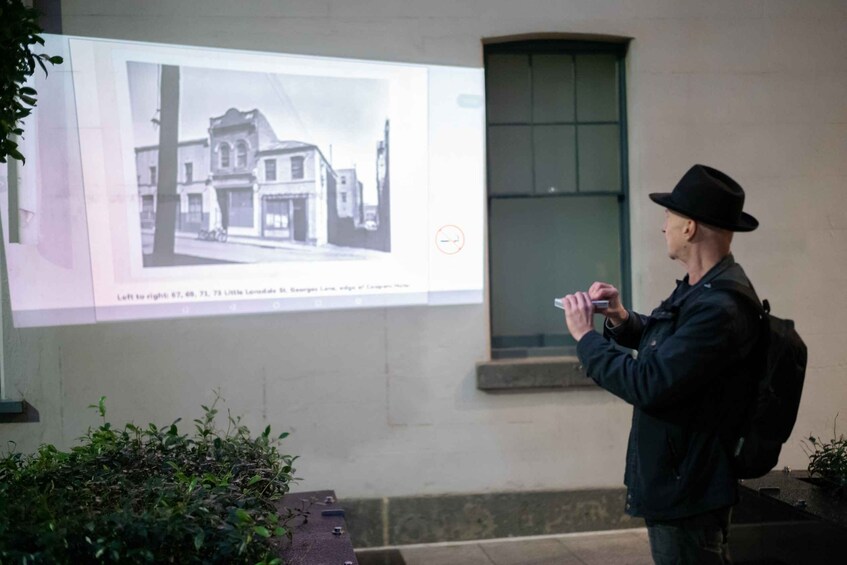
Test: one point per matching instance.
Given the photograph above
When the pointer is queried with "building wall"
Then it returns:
(195, 153)
(755, 88)
(198, 155)
(347, 197)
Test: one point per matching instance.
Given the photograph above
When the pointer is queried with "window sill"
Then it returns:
(531, 373)
(17, 411)
(11, 407)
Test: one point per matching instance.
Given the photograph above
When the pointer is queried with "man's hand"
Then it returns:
(616, 313)
(579, 314)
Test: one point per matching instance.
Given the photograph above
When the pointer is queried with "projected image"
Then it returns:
(167, 181)
(253, 167)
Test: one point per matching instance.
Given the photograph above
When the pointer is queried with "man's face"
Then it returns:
(675, 233)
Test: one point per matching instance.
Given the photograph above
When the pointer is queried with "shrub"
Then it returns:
(150, 495)
(828, 461)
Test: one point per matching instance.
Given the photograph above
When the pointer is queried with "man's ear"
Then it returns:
(690, 229)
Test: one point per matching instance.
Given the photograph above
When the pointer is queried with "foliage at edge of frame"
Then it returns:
(19, 34)
(828, 460)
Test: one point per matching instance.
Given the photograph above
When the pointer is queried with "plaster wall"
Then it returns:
(383, 402)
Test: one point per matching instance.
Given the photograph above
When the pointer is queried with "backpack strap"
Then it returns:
(744, 290)
(734, 437)
(673, 305)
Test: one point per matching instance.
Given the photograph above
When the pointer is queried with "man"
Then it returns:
(691, 379)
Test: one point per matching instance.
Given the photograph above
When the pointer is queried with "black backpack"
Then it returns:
(779, 360)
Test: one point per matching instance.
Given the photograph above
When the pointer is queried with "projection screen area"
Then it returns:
(167, 181)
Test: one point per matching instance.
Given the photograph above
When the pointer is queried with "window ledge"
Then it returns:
(17, 411)
(532, 373)
(11, 407)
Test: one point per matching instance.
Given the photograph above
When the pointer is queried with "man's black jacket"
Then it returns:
(689, 386)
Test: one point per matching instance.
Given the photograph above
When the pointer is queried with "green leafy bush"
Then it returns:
(151, 495)
(828, 461)
(19, 32)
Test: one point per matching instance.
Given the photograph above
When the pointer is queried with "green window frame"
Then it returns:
(557, 185)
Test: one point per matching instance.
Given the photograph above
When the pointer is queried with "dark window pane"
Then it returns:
(224, 155)
(270, 170)
(508, 88)
(195, 208)
(241, 155)
(297, 167)
(147, 205)
(509, 160)
(544, 248)
(552, 88)
(597, 88)
(189, 172)
(555, 159)
(599, 158)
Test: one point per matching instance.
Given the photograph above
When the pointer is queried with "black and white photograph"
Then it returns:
(256, 167)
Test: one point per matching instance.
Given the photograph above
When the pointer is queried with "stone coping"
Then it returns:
(404, 520)
(531, 373)
(807, 500)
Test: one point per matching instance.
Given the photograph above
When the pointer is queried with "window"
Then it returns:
(241, 154)
(344, 198)
(147, 210)
(270, 169)
(224, 156)
(241, 207)
(153, 174)
(189, 172)
(556, 185)
(297, 167)
(195, 209)
(343, 180)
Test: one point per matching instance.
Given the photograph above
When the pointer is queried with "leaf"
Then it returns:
(253, 480)
(262, 531)
(242, 515)
(284, 435)
(199, 537)
(15, 154)
(56, 60)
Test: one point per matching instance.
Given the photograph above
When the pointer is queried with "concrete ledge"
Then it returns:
(376, 522)
(531, 373)
(11, 407)
(17, 411)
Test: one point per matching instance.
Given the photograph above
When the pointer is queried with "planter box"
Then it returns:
(782, 518)
(320, 530)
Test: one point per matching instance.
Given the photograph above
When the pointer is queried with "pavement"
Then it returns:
(239, 249)
(616, 547)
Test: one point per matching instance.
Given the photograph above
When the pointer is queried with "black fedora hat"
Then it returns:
(709, 196)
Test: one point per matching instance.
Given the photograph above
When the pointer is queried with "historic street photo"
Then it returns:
(252, 167)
